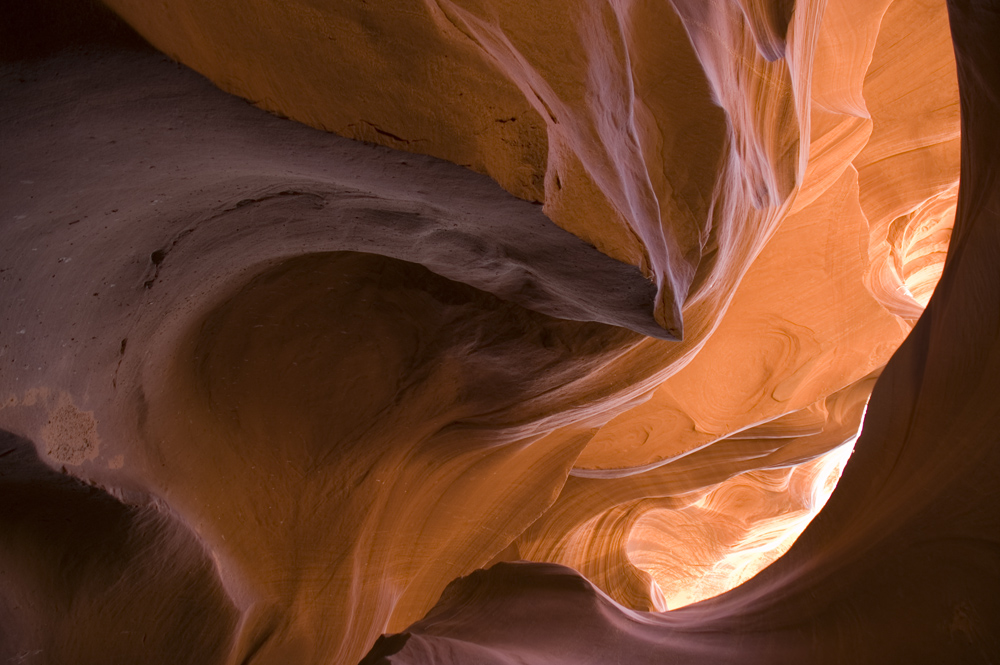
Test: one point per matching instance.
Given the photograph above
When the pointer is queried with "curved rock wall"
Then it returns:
(292, 385)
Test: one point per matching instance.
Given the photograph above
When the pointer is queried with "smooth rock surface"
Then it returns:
(268, 394)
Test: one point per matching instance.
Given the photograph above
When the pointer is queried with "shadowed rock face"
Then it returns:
(274, 395)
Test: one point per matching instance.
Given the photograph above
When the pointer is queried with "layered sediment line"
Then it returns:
(270, 393)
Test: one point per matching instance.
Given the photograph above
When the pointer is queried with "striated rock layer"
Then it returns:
(267, 391)
(901, 565)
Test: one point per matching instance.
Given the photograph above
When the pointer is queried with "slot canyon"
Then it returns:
(500, 333)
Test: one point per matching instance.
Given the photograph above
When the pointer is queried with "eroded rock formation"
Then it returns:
(271, 393)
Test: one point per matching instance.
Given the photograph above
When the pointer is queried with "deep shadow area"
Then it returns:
(39, 28)
(86, 578)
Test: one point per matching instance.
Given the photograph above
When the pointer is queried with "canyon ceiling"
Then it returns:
(482, 331)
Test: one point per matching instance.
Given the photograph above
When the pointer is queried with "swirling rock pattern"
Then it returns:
(274, 395)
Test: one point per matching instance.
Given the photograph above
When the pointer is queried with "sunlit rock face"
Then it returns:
(270, 392)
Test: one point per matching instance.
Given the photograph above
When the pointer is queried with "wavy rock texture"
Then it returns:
(268, 391)
(903, 562)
